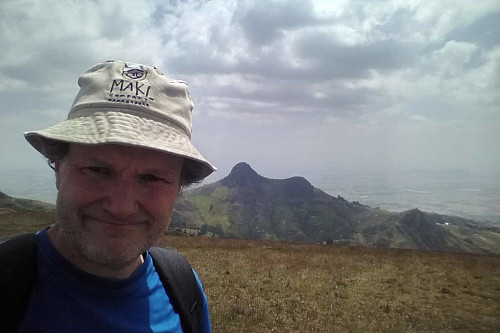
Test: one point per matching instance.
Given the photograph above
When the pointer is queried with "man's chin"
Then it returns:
(114, 254)
(110, 251)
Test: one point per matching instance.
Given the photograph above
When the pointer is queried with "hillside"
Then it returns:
(245, 204)
(22, 215)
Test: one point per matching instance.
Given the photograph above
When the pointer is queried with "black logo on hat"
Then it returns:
(135, 74)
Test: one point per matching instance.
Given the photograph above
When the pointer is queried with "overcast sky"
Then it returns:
(292, 87)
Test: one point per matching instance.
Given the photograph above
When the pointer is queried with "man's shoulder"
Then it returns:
(167, 255)
(23, 244)
(181, 285)
(18, 271)
(18, 258)
(173, 267)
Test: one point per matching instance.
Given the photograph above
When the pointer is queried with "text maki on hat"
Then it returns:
(129, 104)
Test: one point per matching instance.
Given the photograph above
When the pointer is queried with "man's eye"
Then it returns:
(95, 170)
(150, 178)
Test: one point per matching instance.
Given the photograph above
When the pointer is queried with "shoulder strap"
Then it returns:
(180, 284)
(17, 277)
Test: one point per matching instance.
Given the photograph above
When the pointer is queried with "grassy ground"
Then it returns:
(27, 221)
(257, 286)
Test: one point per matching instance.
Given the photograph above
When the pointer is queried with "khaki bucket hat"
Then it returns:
(129, 104)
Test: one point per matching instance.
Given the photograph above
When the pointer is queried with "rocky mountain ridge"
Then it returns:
(245, 204)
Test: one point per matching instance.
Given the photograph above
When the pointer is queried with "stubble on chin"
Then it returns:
(77, 243)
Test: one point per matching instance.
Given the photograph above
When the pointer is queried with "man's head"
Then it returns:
(113, 201)
(120, 159)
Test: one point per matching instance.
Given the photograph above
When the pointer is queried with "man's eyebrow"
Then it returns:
(156, 171)
(152, 170)
(97, 161)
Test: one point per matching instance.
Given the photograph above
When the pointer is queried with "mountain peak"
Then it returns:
(242, 174)
(243, 168)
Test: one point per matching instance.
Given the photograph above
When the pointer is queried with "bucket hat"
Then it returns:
(129, 104)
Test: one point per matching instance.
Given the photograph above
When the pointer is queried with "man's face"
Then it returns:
(114, 202)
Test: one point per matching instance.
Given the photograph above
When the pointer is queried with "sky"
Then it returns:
(291, 87)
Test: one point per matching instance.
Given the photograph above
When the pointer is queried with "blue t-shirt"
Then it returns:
(66, 299)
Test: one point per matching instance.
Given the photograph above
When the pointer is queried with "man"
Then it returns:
(120, 159)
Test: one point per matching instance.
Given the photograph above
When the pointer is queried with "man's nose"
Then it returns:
(121, 199)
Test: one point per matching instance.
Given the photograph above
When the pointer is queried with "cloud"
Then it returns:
(263, 22)
(291, 83)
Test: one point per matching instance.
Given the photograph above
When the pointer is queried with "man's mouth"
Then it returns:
(113, 222)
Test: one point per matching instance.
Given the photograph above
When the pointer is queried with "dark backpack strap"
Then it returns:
(17, 277)
(180, 284)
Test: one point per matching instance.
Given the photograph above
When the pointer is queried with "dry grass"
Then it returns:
(257, 286)
(13, 223)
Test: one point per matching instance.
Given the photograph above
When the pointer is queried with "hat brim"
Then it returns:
(112, 127)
